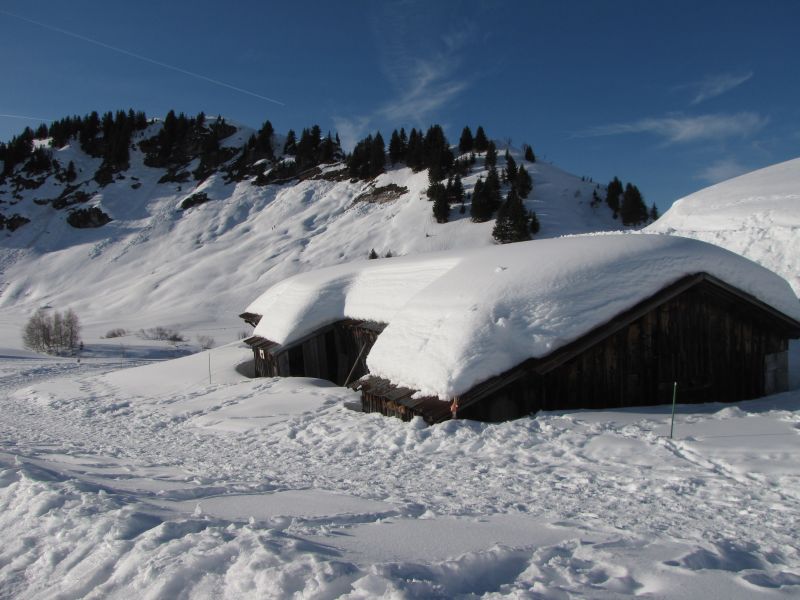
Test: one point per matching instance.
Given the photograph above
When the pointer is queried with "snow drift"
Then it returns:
(457, 318)
(756, 215)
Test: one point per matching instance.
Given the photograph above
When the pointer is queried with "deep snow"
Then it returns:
(756, 215)
(154, 483)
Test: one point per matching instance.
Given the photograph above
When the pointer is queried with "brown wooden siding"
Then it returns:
(331, 353)
(715, 348)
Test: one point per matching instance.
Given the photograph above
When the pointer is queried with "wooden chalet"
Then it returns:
(717, 342)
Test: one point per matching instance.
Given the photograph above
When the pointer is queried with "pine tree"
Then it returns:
(633, 209)
(71, 174)
(372, 254)
(653, 212)
(512, 221)
(481, 141)
(466, 143)
(377, 158)
(456, 194)
(290, 147)
(511, 168)
(491, 155)
(529, 155)
(522, 182)
(492, 189)
(441, 207)
(415, 154)
(481, 208)
(613, 192)
(395, 148)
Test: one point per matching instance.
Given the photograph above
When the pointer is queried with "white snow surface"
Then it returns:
(142, 483)
(756, 215)
(457, 318)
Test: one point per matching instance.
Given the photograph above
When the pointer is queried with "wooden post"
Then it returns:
(674, 395)
(350, 374)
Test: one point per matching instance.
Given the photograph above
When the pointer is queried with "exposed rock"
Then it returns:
(84, 218)
(379, 195)
(194, 200)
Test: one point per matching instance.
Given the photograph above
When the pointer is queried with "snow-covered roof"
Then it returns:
(457, 318)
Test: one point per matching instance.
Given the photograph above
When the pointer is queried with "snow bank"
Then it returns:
(756, 215)
(458, 318)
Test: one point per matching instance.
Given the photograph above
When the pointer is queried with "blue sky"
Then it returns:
(672, 96)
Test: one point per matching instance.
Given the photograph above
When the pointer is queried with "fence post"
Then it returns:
(674, 395)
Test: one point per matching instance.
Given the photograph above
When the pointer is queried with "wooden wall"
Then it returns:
(330, 353)
(714, 346)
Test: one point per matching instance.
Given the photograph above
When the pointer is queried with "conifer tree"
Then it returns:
(653, 212)
(290, 147)
(482, 206)
(512, 221)
(71, 174)
(372, 254)
(613, 193)
(633, 209)
(396, 148)
(529, 155)
(511, 168)
(456, 194)
(481, 141)
(491, 156)
(522, 182)
(492, 189)
(466, 143)
(415, 154)
(441, 207)
(377, 159)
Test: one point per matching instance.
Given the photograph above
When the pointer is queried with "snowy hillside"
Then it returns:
(157, 264)
(756, 215)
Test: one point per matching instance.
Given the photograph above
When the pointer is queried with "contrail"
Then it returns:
(143, 58)
(24, 118)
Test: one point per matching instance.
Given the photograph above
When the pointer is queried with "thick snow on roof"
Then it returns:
(457, 318)
(756, 215)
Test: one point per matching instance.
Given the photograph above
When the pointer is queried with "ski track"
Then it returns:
(552, 468)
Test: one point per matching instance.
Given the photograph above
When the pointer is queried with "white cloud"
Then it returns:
(683, 129)
(716, 85)
(722, 170)
(426, 89)
(350, 130)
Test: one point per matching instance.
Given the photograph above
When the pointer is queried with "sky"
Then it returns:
(671, 96)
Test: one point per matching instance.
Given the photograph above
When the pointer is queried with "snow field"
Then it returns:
(144, 480)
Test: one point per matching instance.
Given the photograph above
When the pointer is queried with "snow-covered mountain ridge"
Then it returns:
(183, 251)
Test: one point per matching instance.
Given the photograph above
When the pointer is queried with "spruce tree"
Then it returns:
(653, 212)
(481, 141)
(613, 192)
(377, 159)
(522, 182)
(290, 147)
(395, 148)
(456, 191)
(466, 143)
(491, 155)
(529, 155)
(512, 221)
(492, 189)
(441, 207)
(511, 168)
(481, 208)
(633, 209)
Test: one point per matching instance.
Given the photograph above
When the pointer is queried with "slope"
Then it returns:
(756, 215)
(157, 264)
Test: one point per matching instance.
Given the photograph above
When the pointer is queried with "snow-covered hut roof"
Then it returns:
(457, 318)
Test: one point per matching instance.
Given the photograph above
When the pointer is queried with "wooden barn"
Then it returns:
(716, 342)
(719, 342)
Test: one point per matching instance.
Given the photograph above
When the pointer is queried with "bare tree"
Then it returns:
(54, 334)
